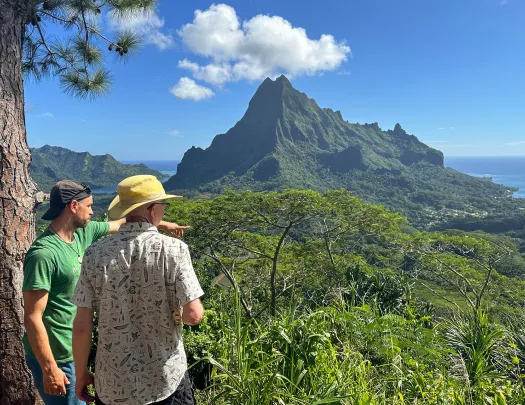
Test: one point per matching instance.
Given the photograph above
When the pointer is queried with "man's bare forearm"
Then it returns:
(39, 342)
(82, 332)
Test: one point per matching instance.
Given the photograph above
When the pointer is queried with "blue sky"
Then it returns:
(450, 72)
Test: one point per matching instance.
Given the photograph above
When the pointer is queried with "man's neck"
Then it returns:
(138, 219)
(64, 228)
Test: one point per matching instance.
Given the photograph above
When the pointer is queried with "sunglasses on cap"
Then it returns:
(84, 190)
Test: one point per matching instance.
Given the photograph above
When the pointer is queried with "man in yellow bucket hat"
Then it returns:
(136, 280)
(51, 270)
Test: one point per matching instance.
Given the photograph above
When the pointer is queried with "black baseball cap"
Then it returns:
(62, 194)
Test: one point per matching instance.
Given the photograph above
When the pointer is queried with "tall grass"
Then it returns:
(355, 356)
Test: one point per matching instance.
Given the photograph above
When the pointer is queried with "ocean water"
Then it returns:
(168, 167)
(506, 170)
(164, 166)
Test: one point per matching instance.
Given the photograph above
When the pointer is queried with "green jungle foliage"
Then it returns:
(51, 164)
(324, 299)
(430, 197)
(508, 225)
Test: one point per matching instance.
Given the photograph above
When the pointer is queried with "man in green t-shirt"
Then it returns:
(51, 271)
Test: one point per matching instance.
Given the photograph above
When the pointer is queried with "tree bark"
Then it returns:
(17, 205)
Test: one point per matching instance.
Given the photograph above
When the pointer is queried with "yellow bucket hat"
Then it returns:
(135, 191)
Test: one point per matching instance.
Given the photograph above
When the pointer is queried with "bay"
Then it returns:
(506, 170)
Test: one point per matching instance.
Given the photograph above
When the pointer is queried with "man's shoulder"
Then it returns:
(45, 238)
(168, 245)
(102, 246)
(43, 246)
(40, 252)
(109, 240)
(92, 227)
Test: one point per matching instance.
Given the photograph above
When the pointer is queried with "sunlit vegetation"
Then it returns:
(323, 299)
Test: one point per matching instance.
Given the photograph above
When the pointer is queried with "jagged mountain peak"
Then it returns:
(278, 91)
(283, 129)
(272, 96)
(281, 81)
(399, 128)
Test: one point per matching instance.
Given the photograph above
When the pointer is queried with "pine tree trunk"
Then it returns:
(17, 203)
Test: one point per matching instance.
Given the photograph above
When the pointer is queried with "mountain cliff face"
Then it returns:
(283, 129)
(50, 164)
(285, 140)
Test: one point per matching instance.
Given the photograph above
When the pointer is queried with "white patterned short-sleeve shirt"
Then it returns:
(134, 280)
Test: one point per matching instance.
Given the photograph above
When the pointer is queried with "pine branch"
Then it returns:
(43, 39)
(62, 20)
(109, 41)
(86, 45)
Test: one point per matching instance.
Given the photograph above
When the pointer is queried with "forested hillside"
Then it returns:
(50, 164)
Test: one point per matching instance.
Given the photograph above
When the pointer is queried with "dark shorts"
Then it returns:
(182, 396)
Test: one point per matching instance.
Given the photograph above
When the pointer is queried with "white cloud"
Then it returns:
(187, 89)
(46, 115)
(214, 74)
(514, 143)
(215, 32)
(441, 129)
(147, 25)
(345, 73)
(173, 132)
(259, 47)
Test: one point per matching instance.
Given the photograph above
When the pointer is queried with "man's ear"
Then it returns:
(152, 213)
(73, 206)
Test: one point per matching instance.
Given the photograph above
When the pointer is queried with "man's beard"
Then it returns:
(81, 224)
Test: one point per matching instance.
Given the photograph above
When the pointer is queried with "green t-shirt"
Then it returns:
(53, 265)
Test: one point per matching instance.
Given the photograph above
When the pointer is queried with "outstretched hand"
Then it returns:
(173, 229)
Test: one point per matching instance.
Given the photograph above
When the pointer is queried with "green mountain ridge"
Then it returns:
(285, 140)
(281, 122)
(50, 164)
